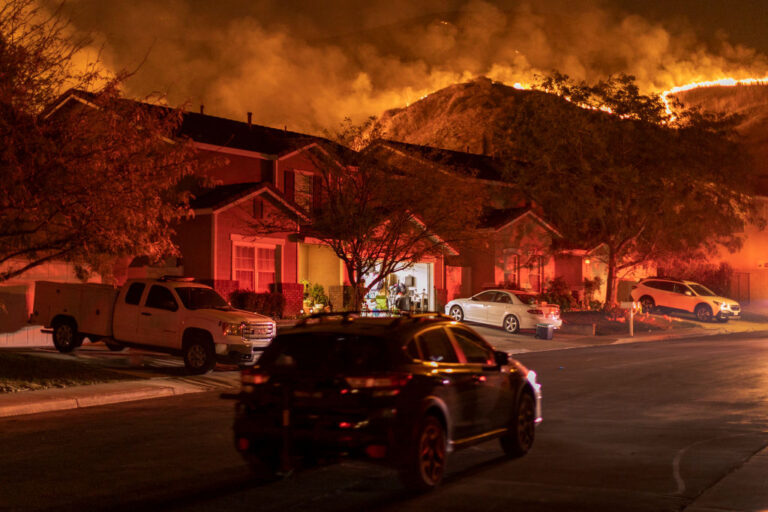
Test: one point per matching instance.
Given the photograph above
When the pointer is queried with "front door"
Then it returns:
(454, 384)
(476, 308)
(159, 318)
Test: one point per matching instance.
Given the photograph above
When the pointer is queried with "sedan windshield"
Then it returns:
(702, 290)
(194, 297)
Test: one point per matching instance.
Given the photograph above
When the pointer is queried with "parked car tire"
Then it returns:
(703, 312)
(199, 355)
(457, 313)
(424, 465)
(647, 304)
(114, 347)
(522, 431)
(65, 336)
(511, 324)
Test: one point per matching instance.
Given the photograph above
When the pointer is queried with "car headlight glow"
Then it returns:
(231, 329)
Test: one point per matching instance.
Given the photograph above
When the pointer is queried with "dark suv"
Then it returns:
(401, 391)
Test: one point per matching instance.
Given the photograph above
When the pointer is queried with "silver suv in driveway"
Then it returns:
(685, 296)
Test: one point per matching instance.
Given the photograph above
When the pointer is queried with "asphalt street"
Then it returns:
(648, 426)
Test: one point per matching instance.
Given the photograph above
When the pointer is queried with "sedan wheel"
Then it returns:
(457, 314)
(511, 324)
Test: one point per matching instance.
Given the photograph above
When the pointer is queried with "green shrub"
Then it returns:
(558, 292)
(315, 293)
(270, 304)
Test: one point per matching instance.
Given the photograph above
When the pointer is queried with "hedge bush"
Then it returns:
(270, 304)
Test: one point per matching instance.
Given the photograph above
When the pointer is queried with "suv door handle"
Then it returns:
(144, 313)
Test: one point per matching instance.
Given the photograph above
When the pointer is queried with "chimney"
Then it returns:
(202, 109)
(250, 118)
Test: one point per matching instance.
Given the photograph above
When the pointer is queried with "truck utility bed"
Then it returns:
(91, 303)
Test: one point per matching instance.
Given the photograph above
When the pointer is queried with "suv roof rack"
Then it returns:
(346, 317)
(351, 316)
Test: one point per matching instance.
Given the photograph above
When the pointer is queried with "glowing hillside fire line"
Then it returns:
(723, 82)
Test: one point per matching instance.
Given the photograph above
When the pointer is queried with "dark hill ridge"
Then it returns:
(471, 117)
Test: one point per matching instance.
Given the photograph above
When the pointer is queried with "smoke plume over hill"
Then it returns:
(309, 64)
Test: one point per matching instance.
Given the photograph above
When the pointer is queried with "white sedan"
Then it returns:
(510, 309)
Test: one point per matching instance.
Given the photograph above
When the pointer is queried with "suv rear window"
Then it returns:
(327, 352)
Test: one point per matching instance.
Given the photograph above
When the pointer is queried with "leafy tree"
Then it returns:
(379, 215)
(86, 180)
(639, 182)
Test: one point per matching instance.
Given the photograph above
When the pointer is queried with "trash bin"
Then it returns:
(545, 331)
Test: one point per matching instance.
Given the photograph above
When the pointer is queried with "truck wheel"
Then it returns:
(65, 336)
(199, 356)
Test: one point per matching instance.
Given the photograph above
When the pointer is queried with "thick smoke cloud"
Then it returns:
(306, 64)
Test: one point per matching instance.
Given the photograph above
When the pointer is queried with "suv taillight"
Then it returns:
(395, 380)
(253, 377)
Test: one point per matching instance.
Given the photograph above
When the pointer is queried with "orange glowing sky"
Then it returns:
(308, 64)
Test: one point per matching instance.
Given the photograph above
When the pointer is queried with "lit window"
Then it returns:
(254, 267)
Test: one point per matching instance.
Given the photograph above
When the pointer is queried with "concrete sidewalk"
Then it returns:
(46, 400)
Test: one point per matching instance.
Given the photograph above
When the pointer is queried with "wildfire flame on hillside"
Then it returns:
(723, 82)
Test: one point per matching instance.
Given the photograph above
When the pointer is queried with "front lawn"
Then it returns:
(21, 371)
(604, 324)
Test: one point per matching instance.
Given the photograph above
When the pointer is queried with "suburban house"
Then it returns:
(513, 244)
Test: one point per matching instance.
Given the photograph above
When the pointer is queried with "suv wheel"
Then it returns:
(199, 356)
(703, 313)
(425, 461)
(647, 304)
(264, 462)
(519, 437)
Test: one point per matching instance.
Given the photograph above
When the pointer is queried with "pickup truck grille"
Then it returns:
(259, 331)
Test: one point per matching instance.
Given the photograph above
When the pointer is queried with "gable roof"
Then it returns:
(497, 219)
(472, 165)
(222, 197)
(220, 132)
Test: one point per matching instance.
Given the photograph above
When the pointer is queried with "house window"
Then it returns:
(265, 268)
(304, 189)
(254, 267)
(244, 269)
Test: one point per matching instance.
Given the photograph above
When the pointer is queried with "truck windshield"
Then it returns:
(194, 297)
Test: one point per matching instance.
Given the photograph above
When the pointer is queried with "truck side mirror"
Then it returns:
(502, 358)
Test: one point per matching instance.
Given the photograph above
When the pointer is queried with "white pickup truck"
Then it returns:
(171, 314)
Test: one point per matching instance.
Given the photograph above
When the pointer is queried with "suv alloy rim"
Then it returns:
(432, 452)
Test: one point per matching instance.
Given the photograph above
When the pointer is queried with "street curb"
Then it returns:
(33, 402)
